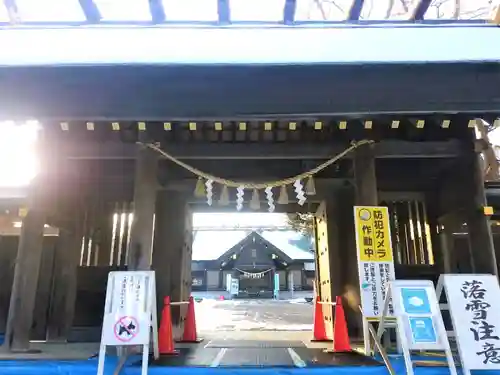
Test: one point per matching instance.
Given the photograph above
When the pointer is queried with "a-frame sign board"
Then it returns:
(419, 322)
(474, 305)
(130, 314)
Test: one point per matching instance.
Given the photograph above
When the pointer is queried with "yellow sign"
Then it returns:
(373, 234)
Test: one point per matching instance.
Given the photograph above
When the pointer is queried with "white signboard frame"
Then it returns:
(130, 314)
(374, 272)
(473, 301)
(414, 302)
(235, 286)
(276, 285)
(228, 282)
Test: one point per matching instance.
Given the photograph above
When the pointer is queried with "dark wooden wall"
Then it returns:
(8, 250)
(90, 294)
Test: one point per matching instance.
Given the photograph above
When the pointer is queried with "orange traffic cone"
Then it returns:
(190, 335)
(165, 336)
(319, 329)
(341, 342)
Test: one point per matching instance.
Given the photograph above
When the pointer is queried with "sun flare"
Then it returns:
(18, 155)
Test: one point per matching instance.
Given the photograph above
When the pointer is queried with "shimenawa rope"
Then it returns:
(251, 185)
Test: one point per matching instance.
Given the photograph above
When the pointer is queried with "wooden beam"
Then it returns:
(355, 10)
(157, 11)
(268, 151)
(94, 89)
(91, 11)
(420, 10)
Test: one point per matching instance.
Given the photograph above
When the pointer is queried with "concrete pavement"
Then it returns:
(236, 333)
(254, 315)
(283, 295)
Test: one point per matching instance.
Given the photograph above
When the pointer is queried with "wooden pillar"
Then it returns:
(328, 258)
(73, 225)
(187, 254)
(365, 177)
(347, 259)
(169, 259)
(42, 196)
(162, 258)
(141, 236)
(62, 307)
(29, 255)
(479, 227)
(449, 223)
(334, 249)
(103, 236)
(365, 194)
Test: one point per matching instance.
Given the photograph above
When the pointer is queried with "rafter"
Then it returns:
(289, 11)
(420, 10)
(157, 11)
(90, 10)
(355, 11)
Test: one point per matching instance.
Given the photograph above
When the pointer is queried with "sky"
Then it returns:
(495, 137)
(18, 159)
(244, 10)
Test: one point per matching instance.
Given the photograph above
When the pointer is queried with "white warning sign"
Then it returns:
(130, 298)
(130, 314)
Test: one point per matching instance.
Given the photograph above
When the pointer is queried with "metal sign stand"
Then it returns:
(419, 323)
(124, 329)
(370, 331)
(390, 323)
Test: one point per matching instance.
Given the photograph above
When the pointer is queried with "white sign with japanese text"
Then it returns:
(420, 325)
(235, 287)
(130, 313)
(474, 305)
(375, 257)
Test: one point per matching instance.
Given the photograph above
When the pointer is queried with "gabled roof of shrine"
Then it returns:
(293, 244)
(211, 245)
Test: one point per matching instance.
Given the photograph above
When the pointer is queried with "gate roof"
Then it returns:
(189, 59)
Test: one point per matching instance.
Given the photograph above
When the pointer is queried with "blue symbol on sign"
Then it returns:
(415, 301)
(422, 330)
